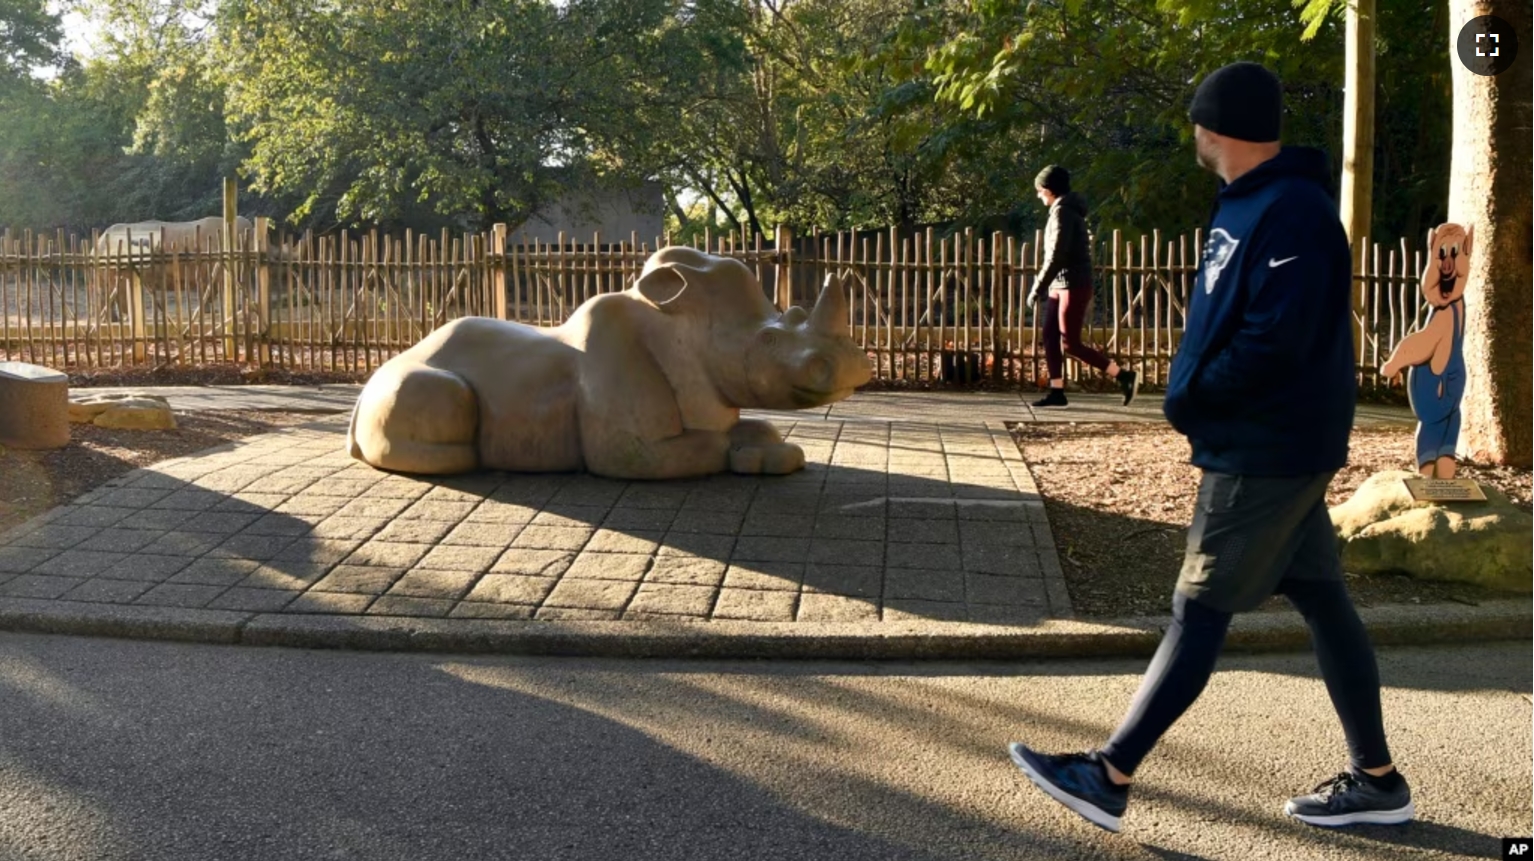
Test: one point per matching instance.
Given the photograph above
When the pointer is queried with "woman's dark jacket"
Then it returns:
(1067, 251)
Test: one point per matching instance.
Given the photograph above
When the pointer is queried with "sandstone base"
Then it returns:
(34, 406)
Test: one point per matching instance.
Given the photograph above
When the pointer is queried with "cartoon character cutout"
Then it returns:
(1434, 355)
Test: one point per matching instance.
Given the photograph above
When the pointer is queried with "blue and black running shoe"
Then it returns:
(1077, 780)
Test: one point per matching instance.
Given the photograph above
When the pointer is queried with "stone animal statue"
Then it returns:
(647, 383)
(1434, 356)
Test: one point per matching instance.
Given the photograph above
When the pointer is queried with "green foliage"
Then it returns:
(29, 38)
(831, 113)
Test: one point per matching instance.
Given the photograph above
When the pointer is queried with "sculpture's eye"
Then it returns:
(1442, 252)
(1454, 251)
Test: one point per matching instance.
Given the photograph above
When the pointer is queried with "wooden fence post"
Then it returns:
(495, 258)
(996, 294)
(136, 328)
(783, 248)
(263, 332)
(231, 190)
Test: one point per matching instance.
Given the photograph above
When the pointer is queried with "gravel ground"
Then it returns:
(1120, 498)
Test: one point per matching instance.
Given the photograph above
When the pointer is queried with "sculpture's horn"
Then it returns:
(830, 314)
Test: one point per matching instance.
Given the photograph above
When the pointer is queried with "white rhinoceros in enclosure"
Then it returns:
(121, 243)
(139, 237)
(645, 383)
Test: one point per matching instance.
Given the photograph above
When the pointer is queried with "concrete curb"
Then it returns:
(1137, 638)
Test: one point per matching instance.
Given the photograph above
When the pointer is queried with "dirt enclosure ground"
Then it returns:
(1120, 498)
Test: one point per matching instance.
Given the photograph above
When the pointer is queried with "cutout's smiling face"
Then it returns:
(1449, 248)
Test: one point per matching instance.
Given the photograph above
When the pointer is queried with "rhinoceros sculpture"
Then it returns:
(647, 383)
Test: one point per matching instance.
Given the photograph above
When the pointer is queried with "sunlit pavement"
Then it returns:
(114, 749)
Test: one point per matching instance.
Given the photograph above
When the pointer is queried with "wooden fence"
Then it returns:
(926, 307)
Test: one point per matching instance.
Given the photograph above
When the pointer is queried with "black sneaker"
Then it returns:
(1077, 780)
(1348, 799)
(1129, 383)
(1055, 398)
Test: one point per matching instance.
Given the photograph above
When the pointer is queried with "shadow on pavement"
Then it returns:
(190, 752)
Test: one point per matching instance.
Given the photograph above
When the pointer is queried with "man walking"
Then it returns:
(1263, 388)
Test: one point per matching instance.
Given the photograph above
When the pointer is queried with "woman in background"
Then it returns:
(1067, 280)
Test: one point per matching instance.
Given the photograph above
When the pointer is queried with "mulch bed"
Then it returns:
(36, 481)
(207, 375)
(1120, 497)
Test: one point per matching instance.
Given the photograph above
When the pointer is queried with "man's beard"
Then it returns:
(1205, 159)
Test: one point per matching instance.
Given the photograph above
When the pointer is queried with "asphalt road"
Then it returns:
(140, 750)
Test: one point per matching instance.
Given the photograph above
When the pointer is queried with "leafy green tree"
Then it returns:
(483, 110)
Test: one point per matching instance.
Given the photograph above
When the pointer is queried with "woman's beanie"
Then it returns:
(1242, 101)
(1054, 178)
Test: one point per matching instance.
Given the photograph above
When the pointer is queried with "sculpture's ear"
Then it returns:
(666, 285)
(1469, 245)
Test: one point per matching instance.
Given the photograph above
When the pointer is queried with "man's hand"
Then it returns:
(1389, 371)
(1034, 298)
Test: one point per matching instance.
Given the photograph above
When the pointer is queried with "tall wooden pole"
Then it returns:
(1357, 199)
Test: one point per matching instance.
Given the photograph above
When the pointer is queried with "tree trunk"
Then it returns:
(1357, 197)
(1489, 187)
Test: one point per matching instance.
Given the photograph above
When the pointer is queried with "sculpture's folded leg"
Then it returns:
(414, 418)
(756, 448)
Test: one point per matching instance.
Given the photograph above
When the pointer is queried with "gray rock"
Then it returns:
(1384, 530)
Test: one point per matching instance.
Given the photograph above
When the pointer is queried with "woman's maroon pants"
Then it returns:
(1064, 313)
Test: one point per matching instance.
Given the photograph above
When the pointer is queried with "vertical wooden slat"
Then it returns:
(312, 254)
(520, 290)
(80, 295)
(1143, 269)
(60, 352)
(1036, 264)
(366, 323)
(534, 288)
(178, 287)
(28, 263)
(564, 284)
(882, 321)
(1373, 313)
(1155, 265)
(1013, 329)
(861, 302)
(7, 286)
(162, 272)
(944, 301)
(335, 331)
(930, 286)
(973, 294)
(1001, 335)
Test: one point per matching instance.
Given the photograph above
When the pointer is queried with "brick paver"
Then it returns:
(891, 521)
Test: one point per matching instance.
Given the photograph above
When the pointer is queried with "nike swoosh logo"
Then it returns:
(1274, 264)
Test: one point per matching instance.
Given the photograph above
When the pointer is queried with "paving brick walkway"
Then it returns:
(892, 521)
(915, 508)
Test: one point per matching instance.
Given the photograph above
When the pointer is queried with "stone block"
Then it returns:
(34, 407)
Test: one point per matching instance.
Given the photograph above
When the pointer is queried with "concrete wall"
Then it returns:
(615, 214)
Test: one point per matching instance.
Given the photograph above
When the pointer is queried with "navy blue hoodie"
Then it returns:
(1263, 381)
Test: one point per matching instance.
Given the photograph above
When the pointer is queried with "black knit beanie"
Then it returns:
(1055, 179)
(1242, 101)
